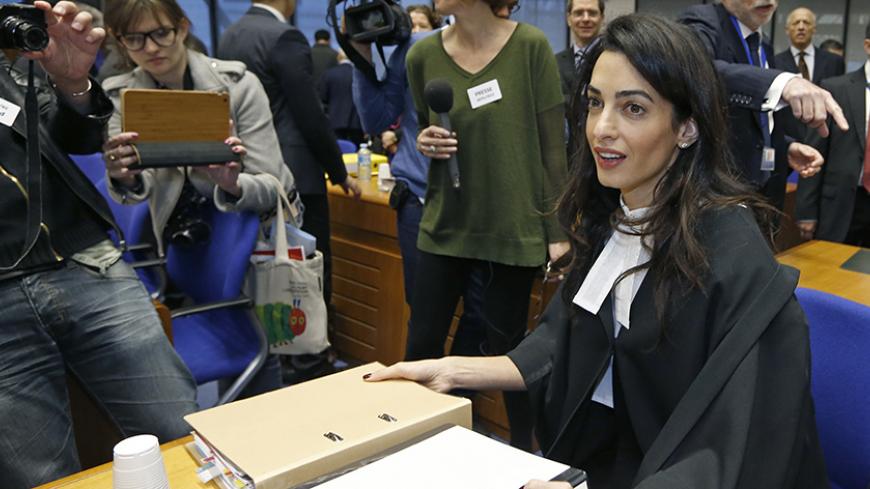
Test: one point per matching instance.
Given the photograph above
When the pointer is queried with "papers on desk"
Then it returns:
(455, 458)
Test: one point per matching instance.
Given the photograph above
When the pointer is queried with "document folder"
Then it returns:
(286, 437)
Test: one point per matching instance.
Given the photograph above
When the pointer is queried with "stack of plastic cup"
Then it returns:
(138, 464)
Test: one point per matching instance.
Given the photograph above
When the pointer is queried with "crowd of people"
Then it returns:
(659, 206)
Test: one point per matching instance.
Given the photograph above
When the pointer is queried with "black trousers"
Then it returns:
(441, 280)
(859, 227)
(316, 222)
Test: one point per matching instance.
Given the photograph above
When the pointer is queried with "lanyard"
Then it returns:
(762, 56)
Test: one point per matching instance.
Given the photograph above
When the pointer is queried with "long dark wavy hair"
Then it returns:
(674, 62)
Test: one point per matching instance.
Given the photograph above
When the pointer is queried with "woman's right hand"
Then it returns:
(437, 143)
(118, 154)
(433, 374)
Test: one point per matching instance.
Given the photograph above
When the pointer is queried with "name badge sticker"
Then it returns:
(8, 112)
(768, 158)
(485, 93)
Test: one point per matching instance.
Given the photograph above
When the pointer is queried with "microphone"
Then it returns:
(439, 97)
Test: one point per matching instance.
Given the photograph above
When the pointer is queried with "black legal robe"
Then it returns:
(718, 399)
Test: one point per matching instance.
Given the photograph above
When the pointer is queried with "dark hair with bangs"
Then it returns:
(673, 61)
(120, 15)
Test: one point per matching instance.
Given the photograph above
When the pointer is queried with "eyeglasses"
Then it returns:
(134, 41)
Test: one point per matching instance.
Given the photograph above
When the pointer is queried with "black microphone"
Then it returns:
(439, 96)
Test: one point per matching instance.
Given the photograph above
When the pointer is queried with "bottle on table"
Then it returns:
(364, 162)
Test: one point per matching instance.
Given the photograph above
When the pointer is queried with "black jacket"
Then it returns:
(280, 57)
(718, 399)
(829, 196)
(74, 213)
(745, 88)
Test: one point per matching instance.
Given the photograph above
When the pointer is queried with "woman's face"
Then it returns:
(157, 59)
(630, 130)
(419, 22)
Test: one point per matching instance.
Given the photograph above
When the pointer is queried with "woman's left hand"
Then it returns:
(557, 249)
(226, 176)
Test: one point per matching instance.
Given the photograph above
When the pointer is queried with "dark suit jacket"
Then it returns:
(745, 88)
(336, 93)
(567, 71)
(826, 65)
(322, 58)
(280, 57)
(829, 196)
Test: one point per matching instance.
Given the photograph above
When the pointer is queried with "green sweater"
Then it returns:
(512, 158)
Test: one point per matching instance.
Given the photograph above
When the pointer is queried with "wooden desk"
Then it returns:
(819, 263)
(180, 470)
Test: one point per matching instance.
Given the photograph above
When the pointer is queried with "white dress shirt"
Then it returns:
(809, 57)
(623, 251)
(278, 15)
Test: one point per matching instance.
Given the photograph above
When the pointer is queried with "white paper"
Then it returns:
(456, 458)
(485, 93)
(8, 112)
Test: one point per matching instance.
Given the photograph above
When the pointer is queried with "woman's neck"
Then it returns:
(174, 79)
(476, 26)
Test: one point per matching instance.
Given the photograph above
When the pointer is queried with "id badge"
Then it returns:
(768, 158)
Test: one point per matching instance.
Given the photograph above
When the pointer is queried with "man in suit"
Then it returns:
(70, 305)
(762, 152)
(336, 93)
(584, 18)
(802, 57)
(279, 55)
(834, 205)
(323, 57)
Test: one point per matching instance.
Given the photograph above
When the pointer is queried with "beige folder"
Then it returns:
(299, 433)
(176, 115)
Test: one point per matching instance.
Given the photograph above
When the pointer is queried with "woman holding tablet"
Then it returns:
(153, 35)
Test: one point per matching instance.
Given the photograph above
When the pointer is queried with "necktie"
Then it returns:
(752, 41)
(578, 58)
(865, 179)
(802, 65)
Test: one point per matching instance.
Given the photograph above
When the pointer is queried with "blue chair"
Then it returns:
(346, 146)
(840, 345)
(218, 337)
(91, 165)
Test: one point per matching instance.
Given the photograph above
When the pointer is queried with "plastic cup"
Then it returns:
(385, 178)
(138, 464)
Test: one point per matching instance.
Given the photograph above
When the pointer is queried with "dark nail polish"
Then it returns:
(366, 376)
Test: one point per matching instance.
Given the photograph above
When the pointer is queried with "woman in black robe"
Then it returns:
(675, 354)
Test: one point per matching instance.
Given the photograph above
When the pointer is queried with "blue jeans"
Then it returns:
(105, 331)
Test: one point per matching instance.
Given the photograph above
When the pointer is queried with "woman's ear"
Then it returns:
(688, 133)
(183, 30)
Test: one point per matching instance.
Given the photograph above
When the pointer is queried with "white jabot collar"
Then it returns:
(622, 252)
(278, 15)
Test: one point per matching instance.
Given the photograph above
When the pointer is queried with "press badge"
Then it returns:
(8, 112)
(485, 93)
(768, 158)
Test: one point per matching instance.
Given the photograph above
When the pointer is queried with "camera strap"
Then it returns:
(32, 172)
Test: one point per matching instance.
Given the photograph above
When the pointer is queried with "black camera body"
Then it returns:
(381, 21)
(22, 27)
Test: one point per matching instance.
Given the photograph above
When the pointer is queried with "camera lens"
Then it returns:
(21, 34)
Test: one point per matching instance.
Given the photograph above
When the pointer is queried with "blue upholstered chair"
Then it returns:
(840, 344)
(346, 146)
(218, 337)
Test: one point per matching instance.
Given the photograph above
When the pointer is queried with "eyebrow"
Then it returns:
(623, 93)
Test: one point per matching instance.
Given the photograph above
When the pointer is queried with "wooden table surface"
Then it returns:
(180, 470)
(819, 263)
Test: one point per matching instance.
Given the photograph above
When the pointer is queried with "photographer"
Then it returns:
(68, 303)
